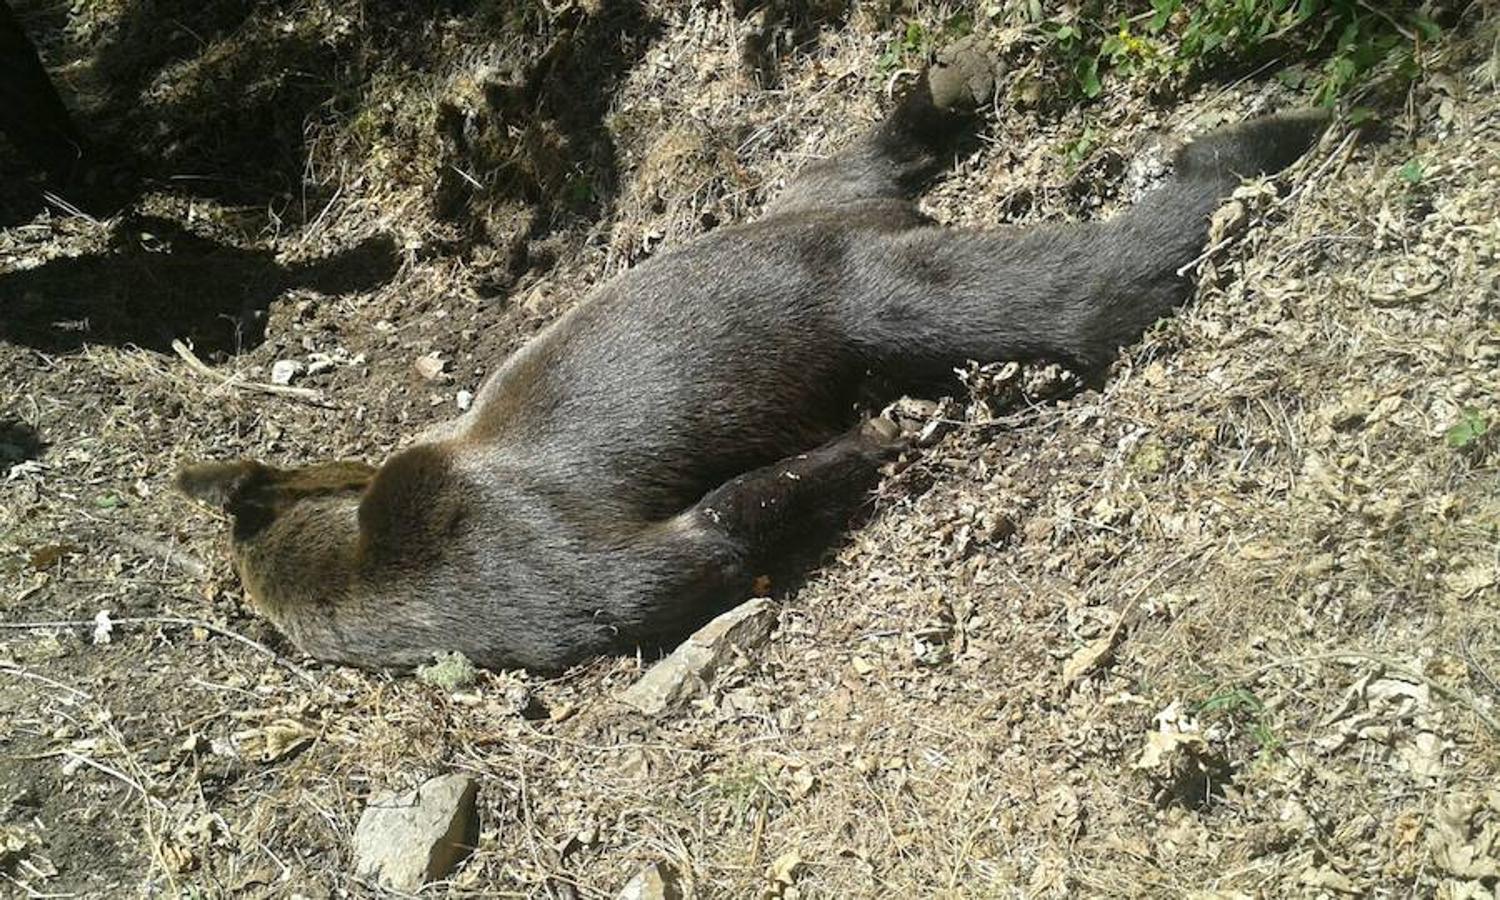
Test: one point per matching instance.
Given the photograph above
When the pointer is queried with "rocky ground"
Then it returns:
(1226, 626)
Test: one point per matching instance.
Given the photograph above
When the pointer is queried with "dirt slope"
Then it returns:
(1228, 626)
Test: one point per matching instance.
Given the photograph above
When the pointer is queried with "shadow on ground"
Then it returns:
(223, 100)
(19, 442)
(157, 281)
(530, 151)
(226, 100)
(778, 28)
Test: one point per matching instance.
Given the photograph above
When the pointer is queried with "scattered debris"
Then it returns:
(657, 881)
(285, 371)
(1465, 836)
(782, 874)
(320, 362)
(1179, 760)
(104, 627)
(1090, 657)
(431, 366)
(267, 743)
(1394, 714)
(199, 367)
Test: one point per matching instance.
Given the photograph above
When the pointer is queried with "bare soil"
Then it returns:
(1226, 626)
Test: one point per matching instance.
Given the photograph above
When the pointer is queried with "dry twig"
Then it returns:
(1355, 657)
(199, 367)
(175, 556)
(175, 620)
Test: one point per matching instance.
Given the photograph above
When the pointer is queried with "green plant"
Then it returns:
(579, 189)
(916, 41)
(1164, 42)
(739, 792)
(1241, 706)
(1471, 427)
(1077, 53)
(913, 42)
(1077, 150)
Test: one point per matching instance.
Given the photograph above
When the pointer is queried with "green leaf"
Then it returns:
(1411, 173)
(960, 24)
(1428, 29)
(580, 190)
(1076, 150)
(1292, 76)
(1470, 427)
(1406, 64)
(1164, 10)
(1088, 77)
(1349, 39)
(914, 36)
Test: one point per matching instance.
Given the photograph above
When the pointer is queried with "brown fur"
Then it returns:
(630, 469)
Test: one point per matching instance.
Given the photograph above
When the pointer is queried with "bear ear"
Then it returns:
(218, 483)
(411, 504)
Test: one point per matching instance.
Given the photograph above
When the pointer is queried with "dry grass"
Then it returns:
(1268, 570)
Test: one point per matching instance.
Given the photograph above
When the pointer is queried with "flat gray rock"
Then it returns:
(407, 839)
(673, 679)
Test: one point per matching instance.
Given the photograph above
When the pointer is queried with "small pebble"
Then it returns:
(285, 371)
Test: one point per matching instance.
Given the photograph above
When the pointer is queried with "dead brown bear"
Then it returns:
(632, 467)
